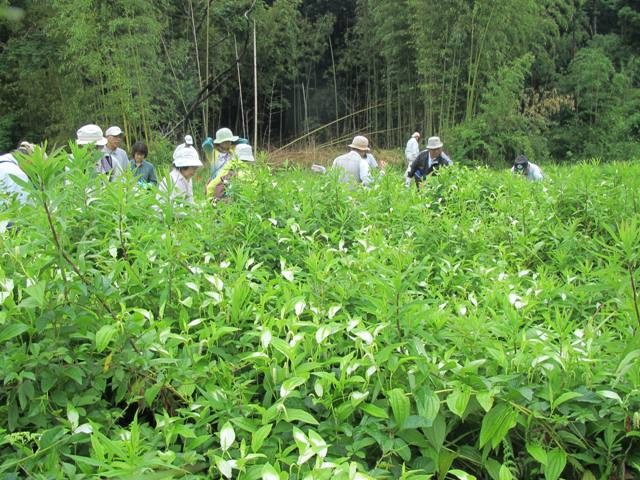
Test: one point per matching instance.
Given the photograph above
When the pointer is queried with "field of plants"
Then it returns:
(482, 328)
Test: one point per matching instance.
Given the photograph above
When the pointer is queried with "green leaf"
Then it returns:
(74, 373)
(12, 330)
(556, 461)
(104, 336)
(269, 473)
(537, 452)
(151, 393)
(461, 475)
(294, 414)
(259, 436)
(565, 397)
(37, 291)
(458, 400)
(505, 473)
(485, 399)
(495, 424)
(428, 404)
(374, 410)
(400, 405)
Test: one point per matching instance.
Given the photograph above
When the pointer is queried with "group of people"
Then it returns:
(228, 156)
(226, 153)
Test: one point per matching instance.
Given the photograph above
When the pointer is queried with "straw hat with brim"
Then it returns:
(433, 143)
(225, 135)
(244, 152)
(186, 156)
(360, 143)
(113, 132)
(90, 134)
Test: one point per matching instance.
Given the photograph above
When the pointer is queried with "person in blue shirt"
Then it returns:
(143, 170)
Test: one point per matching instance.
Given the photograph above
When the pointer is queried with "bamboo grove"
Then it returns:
(554, 78)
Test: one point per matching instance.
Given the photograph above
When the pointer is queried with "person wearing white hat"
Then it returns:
(412, 149)
(9, 168)
(234, 166)
(427, 162)
(354, 165)
(90, 135)
(115, 160)
(186, 161)
(220, 150)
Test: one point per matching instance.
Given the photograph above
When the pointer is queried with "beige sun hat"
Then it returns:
(433, 143)
(225, 135)
(360, 142)
(90, 134)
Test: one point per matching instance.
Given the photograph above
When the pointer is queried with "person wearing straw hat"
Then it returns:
(427, 162)
(186, 161)
(220, 150)
(523, 166)
(412, 149)
(354, 165)
(217, 188)
(9, 169)
(115, 161)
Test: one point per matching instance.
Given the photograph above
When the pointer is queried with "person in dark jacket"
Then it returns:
(427, 162)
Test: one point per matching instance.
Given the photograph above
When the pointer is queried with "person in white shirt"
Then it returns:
(354, 164)
(10, 170)
(186, 161)
(523, 166)
(412, 149)
(115, 160)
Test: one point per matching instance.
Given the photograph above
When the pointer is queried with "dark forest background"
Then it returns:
(555, 79)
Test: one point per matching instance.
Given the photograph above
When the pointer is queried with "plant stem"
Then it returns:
(634, 292)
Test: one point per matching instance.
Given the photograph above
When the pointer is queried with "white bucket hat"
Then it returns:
(186, 156)
(433, 143)
(188, 140)
(90, 134)
(360, 142)
(26, 147)
(225, 135)
(113, 132)
(244, 152)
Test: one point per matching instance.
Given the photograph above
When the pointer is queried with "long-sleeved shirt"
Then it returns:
(219, 160)
(180, 187)
(9, 167)
(114, 162)
(356, 169)
(145, 172)
(371, 161)
(411, 151)
(424, 165)
(534, 173)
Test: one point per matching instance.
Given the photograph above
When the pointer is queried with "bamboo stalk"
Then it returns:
(255, 90)
(195, 44)
(244, 130)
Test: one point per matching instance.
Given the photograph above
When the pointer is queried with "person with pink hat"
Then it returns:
(354, 164)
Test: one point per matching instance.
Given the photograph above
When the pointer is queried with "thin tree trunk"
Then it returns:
(335, 83)
(206, 71)
(195, 44)
(255, 90)
(244, 130)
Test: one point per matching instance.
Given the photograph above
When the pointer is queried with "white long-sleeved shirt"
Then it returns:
(356, 169)
(9, 167)
(534, 173)
(180, 186)
(411, 151)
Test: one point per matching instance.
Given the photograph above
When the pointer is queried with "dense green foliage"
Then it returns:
(554, 78)
(485, 327)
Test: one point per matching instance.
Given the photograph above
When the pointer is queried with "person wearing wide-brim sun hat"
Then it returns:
(220, 149)
(427, 162)
(354, 165)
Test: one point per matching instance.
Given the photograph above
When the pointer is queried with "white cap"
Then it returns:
(415, 134)
(113, 131)
(26, 146)
(90, 134)
(188, 140)
(245, 152)
(186, 156)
